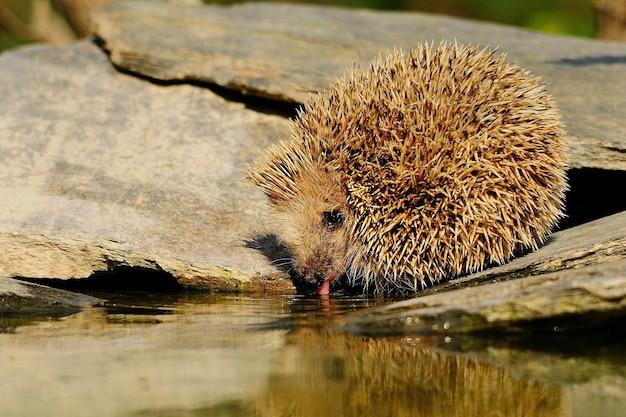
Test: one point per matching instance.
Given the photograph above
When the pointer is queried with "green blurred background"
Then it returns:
(60, 21)
(574, 17)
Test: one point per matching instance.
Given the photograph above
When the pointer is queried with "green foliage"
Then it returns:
(9, 41)
(571, 17)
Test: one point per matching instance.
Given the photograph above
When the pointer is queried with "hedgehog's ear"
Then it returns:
(276, 185)
(279, 173)
(275, 175)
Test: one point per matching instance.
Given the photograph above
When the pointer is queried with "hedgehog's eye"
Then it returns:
(332, 218)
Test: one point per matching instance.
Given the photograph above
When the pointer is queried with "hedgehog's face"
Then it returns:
(313, 225)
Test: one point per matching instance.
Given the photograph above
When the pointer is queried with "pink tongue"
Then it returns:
(324, 289)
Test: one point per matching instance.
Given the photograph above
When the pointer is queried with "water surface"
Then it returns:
(206, 355)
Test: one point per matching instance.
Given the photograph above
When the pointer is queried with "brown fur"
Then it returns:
(441, 161)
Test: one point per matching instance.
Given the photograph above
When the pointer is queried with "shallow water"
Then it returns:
(203, 355)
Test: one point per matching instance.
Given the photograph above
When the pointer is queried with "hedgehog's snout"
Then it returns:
(317, 270)
(313, 271)
(318, 278)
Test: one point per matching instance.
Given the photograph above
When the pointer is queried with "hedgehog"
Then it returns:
(422, 167)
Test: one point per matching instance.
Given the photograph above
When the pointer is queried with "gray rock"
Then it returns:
(24, 299)
(101, 170)
(580, 272)
(286, 52)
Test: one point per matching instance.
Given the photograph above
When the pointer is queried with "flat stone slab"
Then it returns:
(24, 299)
(578, 277)
(287, 52)
(101, 170)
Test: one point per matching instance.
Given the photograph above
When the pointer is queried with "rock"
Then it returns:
(24, 299)
(286, 52)
(581, 272)
(101, 170)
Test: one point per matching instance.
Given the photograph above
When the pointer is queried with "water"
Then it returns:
(202, 355)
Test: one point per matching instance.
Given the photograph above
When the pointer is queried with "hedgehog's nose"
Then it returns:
(319, 278)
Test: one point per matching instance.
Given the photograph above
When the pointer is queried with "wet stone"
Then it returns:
(23, 302)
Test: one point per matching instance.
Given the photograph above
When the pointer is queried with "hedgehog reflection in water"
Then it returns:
(424, 167)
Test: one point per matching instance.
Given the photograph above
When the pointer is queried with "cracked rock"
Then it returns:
(101, 169)
(288, 52)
